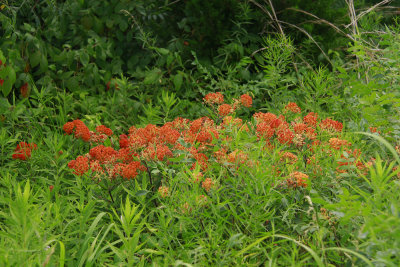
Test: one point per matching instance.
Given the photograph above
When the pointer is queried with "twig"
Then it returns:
(170, 4)
(362, 14)
(109, 192)
(322, 21)
(276, 18)
(353, 16)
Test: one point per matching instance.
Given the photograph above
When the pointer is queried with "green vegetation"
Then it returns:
(199, 133)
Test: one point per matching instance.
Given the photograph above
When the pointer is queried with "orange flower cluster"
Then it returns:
(246, 100)
(337, 143)
(23, 151)
(207, 184)
(214, 98)
(81, 130)
(288, 157)
(163, 191)
(104, 130)
(293, 107)
(226, 109)
(202, 142)
(80, 165)
(331, 125)
(298, 132)
(297, 179)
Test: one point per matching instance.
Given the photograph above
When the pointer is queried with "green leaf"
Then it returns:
(43, 65)
(162, 51)
(84, 57)
(109, 23)
(35, 58)
(152, 76)
(170, 58)
(178, 80)
(123, 25)
(72, 84)
(9, 76)
(4, 105)
(142, 193)
(62, 254)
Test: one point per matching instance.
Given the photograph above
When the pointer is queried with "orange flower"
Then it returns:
(285, 136)
(299, 128)
(331, 125)
(207, 184)
(311, 119)
(337, 143)
(163, 191)
(289, 157)
(23, 151)
(265, 130)
(214, 98)
(95, 166)
(80, 165)
(103, 154)
(264, 117)
(237, 156)
(246, 100)
(104, 130)
(123, 141)
(292, 107)
(225, 109)
(68, 127)
(130, 170)
(297, 179)
(81, 130)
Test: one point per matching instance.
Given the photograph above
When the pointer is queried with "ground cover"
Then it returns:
(142, 136)
(280, 188)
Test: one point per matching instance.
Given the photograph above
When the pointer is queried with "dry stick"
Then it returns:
(262, 8)
(172, 3)
(276, 18)
(353, 16)
(362, 14)
(323, 21)
(353, 19)
(109, 192)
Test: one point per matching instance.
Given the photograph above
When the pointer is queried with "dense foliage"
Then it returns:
(197, 132)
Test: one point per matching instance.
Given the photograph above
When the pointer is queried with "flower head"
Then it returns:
(23, 150)
(225, 109)
(246, 100)
(207, 184)
(80, 165)
(297, 179)
(104, 130)
(293, 107)
(130, 171)
(214, 98)
(163, 191)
